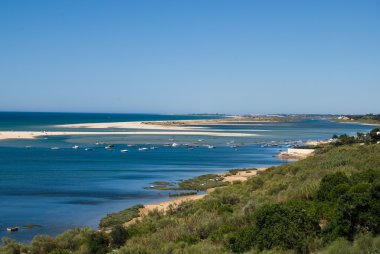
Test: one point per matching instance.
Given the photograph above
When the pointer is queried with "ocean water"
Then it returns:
(66, 188)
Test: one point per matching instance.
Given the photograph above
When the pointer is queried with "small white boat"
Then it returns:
(55, 148)
(153, 148)
(143, 149)
(109, 147)
(75, 147)
(174, 145)
(210, 147)
(12, 229)
(124, 151)
(130, 145)
(88, 149)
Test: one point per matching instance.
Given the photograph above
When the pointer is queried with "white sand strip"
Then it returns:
(130, 125)
(34, 134)
(164, 125)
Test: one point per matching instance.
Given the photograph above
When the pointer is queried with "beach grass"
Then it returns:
(121, 217)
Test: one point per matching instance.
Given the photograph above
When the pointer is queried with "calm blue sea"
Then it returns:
(66, 188)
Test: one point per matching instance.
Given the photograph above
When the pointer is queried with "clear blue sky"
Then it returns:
(190, 56)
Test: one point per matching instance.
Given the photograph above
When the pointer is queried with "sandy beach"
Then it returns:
(149, 128)
(159, 125)
(357, 122)
(36, 134)
(173, 203)
(180, 125)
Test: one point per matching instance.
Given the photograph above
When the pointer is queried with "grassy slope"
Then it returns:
(207, 224)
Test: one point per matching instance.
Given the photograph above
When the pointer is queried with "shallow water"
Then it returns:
(61, 189)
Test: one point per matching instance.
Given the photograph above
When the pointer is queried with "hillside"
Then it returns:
(325, 203)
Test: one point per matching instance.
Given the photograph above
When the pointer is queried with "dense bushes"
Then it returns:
(289, 225)
(351, 206)
(357, 206)
(332, 185)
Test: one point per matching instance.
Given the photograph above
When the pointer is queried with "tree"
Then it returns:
(374, 136)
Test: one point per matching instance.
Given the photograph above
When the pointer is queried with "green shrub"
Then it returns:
(43, 245)
(288, 225)
(121, 217)
(328, 183)
(357, 207)
(119, 236)
(98, 243)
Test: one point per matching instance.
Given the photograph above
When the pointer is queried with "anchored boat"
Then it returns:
(12, 229)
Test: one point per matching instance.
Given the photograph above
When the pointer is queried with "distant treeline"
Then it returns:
(365, 118)
(327, 203)
(367, 138)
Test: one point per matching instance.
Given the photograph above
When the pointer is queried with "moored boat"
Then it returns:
(12, 229)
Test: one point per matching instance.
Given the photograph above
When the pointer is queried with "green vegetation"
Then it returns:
(327, 203)
(121, 217)
(30, 226)
(372, 137)
(161, 185)
(369, 118)
(199, 183)
(363, 244)
(181, 194)
(235, 171)
(202, 183)
(308, 147)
